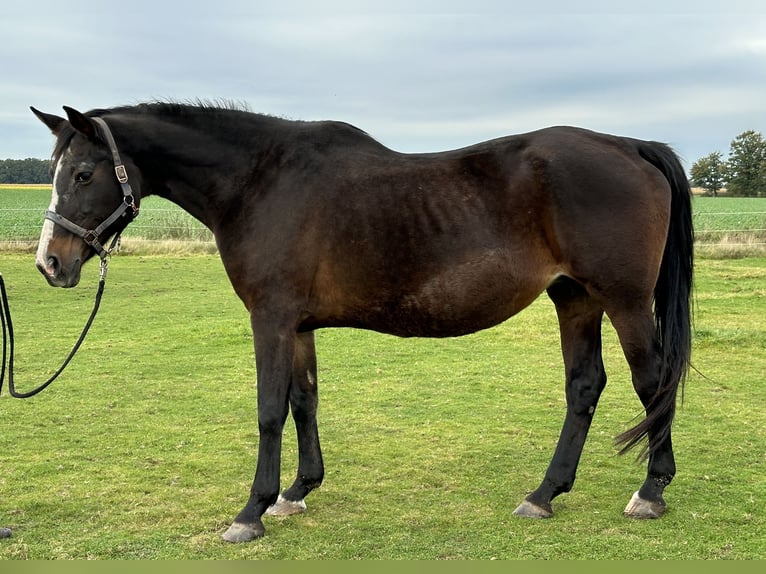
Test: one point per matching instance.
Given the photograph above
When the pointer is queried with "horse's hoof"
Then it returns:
(530, 510)
(284, 507)
(640, 508)
(5, 533)
(239, 532)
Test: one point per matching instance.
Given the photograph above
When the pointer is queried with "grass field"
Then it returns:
(145, 447)
(725, 226)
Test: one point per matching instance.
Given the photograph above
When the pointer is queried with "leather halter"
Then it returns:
(127, 207)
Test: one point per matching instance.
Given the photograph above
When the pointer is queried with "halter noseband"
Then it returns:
(128, 205)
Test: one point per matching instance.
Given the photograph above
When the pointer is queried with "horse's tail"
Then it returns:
(672, 303)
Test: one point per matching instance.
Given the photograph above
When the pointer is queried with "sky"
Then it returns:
(418, 76)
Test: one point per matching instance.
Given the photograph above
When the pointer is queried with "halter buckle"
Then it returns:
(122, 173)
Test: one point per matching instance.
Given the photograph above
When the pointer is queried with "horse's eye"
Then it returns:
(83, 177)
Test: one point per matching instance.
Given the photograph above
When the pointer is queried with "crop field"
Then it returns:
(724, 226)
(161, 226)
(145, 447)
(730, 226)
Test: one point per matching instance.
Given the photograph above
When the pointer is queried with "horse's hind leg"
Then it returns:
(638, 338)
(580, 325)
(303, 404)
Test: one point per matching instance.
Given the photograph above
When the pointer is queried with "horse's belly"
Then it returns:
(472, 293)
(448, 305)
(449, 310)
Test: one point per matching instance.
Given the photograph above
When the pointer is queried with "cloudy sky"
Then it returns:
(417, 75)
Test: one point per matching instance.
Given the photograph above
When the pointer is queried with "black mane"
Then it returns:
(176, 108)
(229, 117)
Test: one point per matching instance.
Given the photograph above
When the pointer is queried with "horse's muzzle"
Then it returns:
(59, 275)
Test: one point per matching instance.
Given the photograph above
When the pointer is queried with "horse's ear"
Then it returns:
(82, 123)
(54, 123)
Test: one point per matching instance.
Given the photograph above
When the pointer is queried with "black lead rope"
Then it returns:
(8, 338)
(127, 208)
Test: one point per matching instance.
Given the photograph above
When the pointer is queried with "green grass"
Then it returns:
(145, 447)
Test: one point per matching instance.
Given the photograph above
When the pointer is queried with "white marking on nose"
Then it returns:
(47, 232)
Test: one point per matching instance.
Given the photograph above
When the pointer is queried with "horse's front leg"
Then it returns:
(274, 352)
(304, 400)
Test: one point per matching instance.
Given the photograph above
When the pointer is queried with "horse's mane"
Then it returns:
(180, 109)
(209, 112)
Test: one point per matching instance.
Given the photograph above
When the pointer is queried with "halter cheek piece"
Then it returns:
(127, 208)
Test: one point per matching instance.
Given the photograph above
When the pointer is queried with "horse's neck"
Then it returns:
(193, 170)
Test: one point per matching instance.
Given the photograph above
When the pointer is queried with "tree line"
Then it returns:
(25, 171)
(742, 174)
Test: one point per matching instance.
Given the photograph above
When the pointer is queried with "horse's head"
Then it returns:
(90, 202)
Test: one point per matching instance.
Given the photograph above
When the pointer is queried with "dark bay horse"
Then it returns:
(319, 225)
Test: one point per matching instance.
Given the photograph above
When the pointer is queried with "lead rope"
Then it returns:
(91, 238)
(8, 338)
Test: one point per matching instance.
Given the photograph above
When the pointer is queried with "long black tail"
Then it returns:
(672, 303)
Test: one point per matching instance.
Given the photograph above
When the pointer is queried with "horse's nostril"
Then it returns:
(51, 267)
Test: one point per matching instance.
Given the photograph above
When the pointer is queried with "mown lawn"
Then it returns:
(145, 447)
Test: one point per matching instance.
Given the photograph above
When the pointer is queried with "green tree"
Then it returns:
(28, 170)
(710, 173)
(747, 165)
